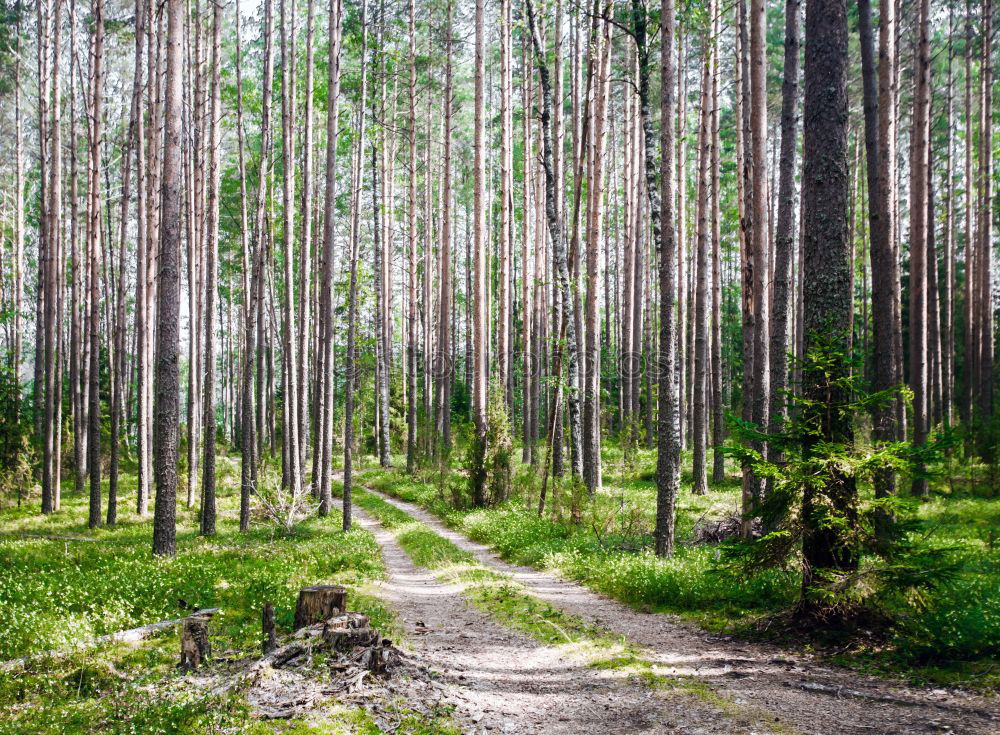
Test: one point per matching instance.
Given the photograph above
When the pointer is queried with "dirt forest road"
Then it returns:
(502, 681)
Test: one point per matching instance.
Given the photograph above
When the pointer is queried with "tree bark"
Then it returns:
(290, 399)
(934, 400)
(442, 361)
(51, 281)
(668, 408)
(747, 261)
(305, 254)
(478, 296)
(94, 246)
(984, 383)
(558, 243)
(207, 520)
(760, 241)
(700, 385)
(784, 238)
(168, 303)
(948, 262)
(411, 320)
(971, 317)
(506, 200)
(600, 54)
(18, 264)
(826, 547)
(352, 298)
(878, 146)
(680, 239)
(529, 363)
(718, 426)
(118, 378)
(317, 604)
(251, 432)
(326, 393)
(919, 172)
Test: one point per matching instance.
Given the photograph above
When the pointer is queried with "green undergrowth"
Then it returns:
(426, 548)
(950, 637)
(56, 594)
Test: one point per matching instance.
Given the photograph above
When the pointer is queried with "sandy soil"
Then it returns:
(503, 682)
(507, 680)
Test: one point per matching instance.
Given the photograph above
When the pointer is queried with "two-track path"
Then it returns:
(526, 687)
(501, 681)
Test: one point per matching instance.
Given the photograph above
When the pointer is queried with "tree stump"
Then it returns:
(195, 646)
(379, 657)
(317, 604)
(345, 632)
(270, 637)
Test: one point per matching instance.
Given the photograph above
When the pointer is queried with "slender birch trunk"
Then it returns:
(352, 304)
(94, 246)
(291, 400)
(250, 433)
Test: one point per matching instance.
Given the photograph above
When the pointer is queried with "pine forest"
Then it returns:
(500, 366)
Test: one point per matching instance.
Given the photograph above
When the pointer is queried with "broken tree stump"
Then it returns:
(195, 646)
(377, 658)
(345, 632)
(270, 637)
(317, 604)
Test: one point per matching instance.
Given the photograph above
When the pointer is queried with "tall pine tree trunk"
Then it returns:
(827, 298)
(411, 318)
(984, 382)
(52, 277)
(207, 520)
(444, 365)
(784, 233)
(718, 410)
(876, 85)
(600, 54)
(700, 386)
(166, 407)
(919, 174)
(326, 392)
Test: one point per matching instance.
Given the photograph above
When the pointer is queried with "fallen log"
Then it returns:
(52, 537)
(130, 636)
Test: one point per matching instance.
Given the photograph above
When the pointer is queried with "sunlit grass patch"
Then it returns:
(58, 593)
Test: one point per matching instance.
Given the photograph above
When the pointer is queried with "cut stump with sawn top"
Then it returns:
(316, 604)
